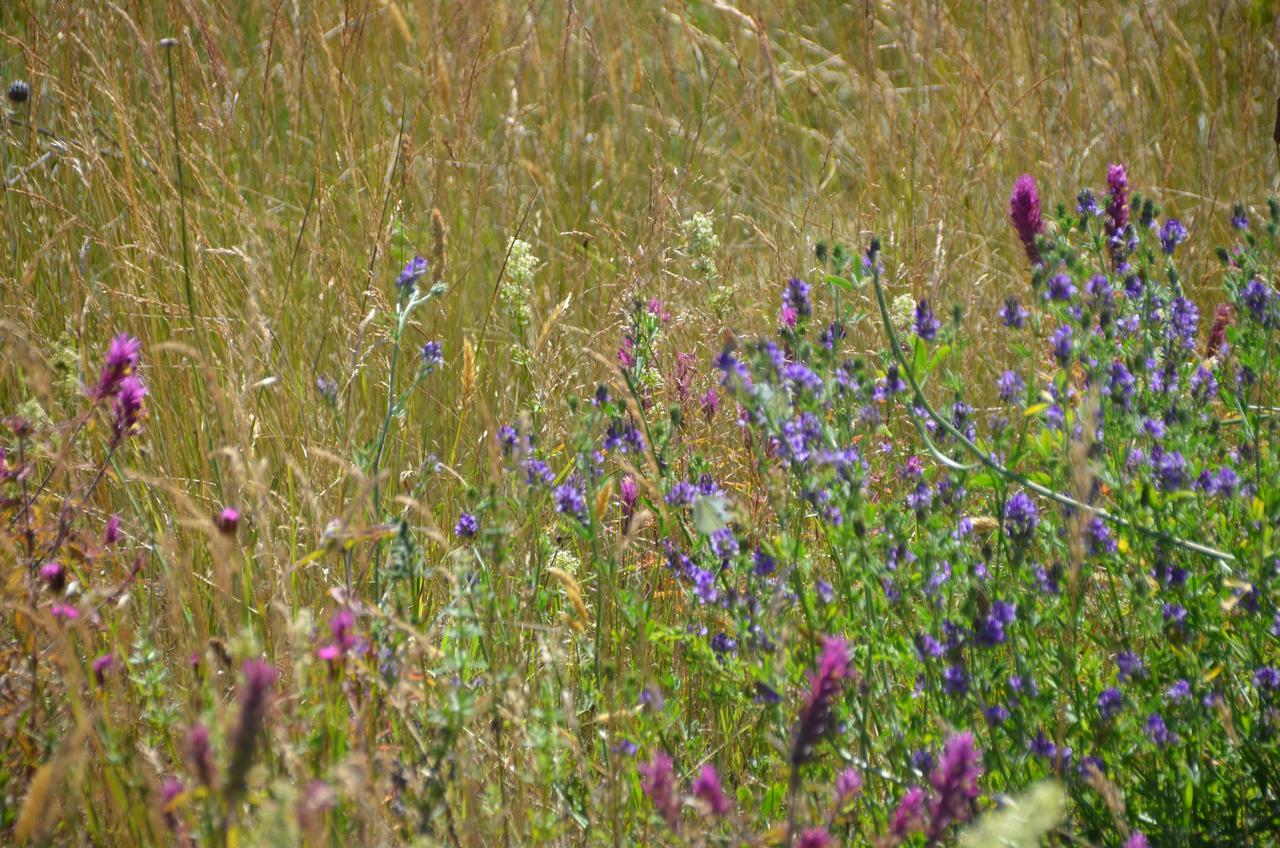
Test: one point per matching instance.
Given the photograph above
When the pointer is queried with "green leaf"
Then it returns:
(839, 282)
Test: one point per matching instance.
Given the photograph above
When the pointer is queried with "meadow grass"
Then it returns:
(242, 201)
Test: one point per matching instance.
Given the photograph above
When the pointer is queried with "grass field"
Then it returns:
(242, 200)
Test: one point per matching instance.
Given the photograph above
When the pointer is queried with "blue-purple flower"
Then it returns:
(467, 526)
(926, 323)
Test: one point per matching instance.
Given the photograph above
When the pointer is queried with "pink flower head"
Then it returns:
(122, 358)
(707, 789)
(817, 714)
(330, 653)
(128, 408)
(64, 612)
(343, 625)
(1137, 839)
(710, 403)
(200, 753)
(228, 520)
(659, 784)
(834, 661)
(848, 786)
(788, 317)
(658, 310)
(1024, 212)
(169, 792)
(815, 837)
(630, 494)
(625, 357)
(54, 575)
(101, 666)
(908, 817)
(111, 533)
(955, 781)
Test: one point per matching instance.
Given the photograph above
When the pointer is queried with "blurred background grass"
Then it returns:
(316, 139)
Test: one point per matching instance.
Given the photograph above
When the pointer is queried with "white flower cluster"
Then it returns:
(517, 284)
(701, 244)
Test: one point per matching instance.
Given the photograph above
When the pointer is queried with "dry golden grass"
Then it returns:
(316, 139)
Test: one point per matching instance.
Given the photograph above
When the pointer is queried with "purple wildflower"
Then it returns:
(1060, 288)
(228, 520)
(1258, 298)
(1024, 213)
(54, 574)
(1118, 206)
(64, 613)
(102, 665)
(1086, 203)
(432, 356)
(1110, 702)
(111, 533)
(1021, 517)
(955, 783)
(122, 360)
(814, 837)
(1158, 732)
(1012, 314)
(1062, 344)
(955, 680)
(570, 500)
(657, 780)
(415, 269)
(926, 323)
(629, 494)
(1010, 386)
(200, 754)
(1172, 234)
(908, 816)
(848, 786)
(817, 714)
(1179, 691)
(255, 697)
(128, 407)
(707, 789)
(467, 526)
(1129, 665)
(710, 403)
(796, 298)
(1267, 678)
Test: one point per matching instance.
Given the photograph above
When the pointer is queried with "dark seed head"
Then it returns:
(19, 91)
